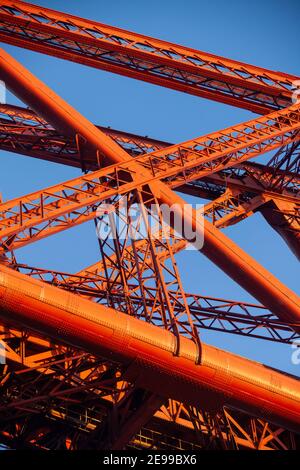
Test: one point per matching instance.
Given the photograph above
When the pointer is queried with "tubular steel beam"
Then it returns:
(229, 316)
(217, 247)
(149, 352)
(284, 217)
(144, 58)
(37, 367)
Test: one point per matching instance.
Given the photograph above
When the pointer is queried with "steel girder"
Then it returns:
(285, 219)
(224, 315)
(243, 194)
(148, 352)
(23, 132)
(144, 58)
(82, 145)
(75, 417)
(148, 59)
(217, 247)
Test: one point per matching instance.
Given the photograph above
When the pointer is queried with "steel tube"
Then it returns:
(217, 247)
(148, 352)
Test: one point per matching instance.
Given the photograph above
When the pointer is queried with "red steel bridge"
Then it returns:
(111, 357)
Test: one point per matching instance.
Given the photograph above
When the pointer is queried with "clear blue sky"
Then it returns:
(264, 33)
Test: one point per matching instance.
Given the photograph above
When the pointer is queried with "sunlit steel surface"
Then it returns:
(138, 348)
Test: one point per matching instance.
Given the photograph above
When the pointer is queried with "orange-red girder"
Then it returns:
(149, 352)
(232, 316)
(217, 247)
(173, 417)
(221, 378)
(284, 217)
(24, 132)
(144, 58)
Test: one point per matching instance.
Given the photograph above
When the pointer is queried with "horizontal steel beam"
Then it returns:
(45, 367)
(215, 314)
(148, 352)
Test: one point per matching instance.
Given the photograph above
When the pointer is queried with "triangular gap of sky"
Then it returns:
(262, 33)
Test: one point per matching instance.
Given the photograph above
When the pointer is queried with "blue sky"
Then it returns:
(264, 33)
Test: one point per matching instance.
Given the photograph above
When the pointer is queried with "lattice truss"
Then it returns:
(57, 394)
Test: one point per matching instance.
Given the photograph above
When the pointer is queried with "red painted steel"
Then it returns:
(149, 352)
(144, 58)
(217, 247)
(22, 131)
(164, 362)
(224, 315)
